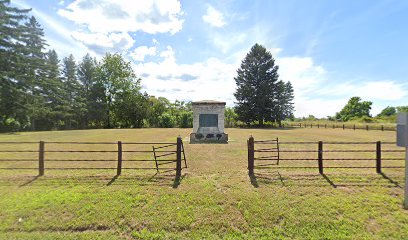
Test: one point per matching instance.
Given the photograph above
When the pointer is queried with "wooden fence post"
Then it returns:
(325, 125)
(320, 157)
(251, 155)
(382, 127)
(300, 124)
(343, 126)
(333, 126)
(354, 127)
(318, 125)
(378, 157)
(178, 160)
(367, 127)
(119, 169)
(41, 159)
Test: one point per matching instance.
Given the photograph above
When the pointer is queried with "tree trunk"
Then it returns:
(261, 122)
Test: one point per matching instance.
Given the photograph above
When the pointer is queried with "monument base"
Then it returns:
(208, 138)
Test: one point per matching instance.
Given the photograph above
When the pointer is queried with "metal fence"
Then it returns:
(47, 156)
(323, 155)
(366, 127)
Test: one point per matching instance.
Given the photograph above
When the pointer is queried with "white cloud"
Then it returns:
(101, 42)
(385, 90)
(214, 17)
(141, 52)
(105, 16)
(210, 79)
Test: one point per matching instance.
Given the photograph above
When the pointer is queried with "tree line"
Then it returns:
(357, 110)
(40, 91)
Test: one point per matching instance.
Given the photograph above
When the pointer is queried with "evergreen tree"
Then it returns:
(11, 95)
(284, 102)
(55, 92)
(86, 76)
(76, 104)
(260, 97)
(32, 80)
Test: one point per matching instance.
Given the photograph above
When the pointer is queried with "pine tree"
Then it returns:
(55, 91)
(11, 30)
(32, 81)
(86, 75)
(72, 88)
(284, 102)
(256, 86)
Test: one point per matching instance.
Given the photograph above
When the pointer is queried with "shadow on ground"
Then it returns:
(156, 179)
(333, 180)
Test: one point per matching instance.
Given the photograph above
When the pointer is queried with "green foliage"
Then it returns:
(354, 108)
(402, 109)
(116, 78)
(388, 111)
(231, 118)
(260, 95)
(186, 119)
(167, 120)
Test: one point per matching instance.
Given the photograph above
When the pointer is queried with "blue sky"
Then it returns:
(190, 50)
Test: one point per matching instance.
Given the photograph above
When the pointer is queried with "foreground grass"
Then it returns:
(215, 199)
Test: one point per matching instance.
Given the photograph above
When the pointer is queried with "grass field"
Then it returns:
(214, 200)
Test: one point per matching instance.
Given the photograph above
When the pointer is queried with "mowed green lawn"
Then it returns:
(215, 198)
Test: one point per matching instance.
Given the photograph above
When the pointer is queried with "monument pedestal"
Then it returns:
(208, 138)
(208, 122)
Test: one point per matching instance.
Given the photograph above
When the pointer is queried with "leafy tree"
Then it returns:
(260, 95)
(117, 79)
(402, 109)
(388, 111)
(355, 108)
(230, 117)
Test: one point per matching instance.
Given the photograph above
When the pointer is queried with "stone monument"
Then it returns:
(208, 122)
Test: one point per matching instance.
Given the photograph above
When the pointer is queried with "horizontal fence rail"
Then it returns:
(366, 127)
(321, 155)
(159, 156)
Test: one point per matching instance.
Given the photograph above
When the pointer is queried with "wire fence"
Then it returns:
(321, 155)
(366, 127)
(48, 156)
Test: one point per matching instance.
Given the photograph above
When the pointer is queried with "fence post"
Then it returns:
(367, 127)
(119, 169)
(343, 126)
(41, 159)
(378, 157)
(318, 125)
(333, 126)
(320, 157)
(325, 126)
(178, 162)
(251, 155)
(300, 124)
(382, 127)
(354, 127)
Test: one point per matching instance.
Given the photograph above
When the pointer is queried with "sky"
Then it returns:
(190, 50)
